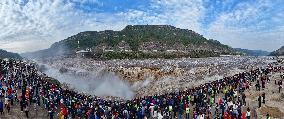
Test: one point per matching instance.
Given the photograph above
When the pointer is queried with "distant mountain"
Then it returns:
(279, 52)
(138, 41)
(252, 52)
(5, 54)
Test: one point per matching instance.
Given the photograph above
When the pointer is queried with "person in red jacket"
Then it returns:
(226, 115)
(27, 95)
(244, 115)
(65, 112)
(220, 101)
(10, 91)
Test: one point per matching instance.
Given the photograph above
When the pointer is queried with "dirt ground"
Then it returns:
(274, 104)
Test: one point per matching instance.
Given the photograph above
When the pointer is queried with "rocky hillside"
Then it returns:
(5, 54)
(279, 52)
(138, 41)
(252, 52)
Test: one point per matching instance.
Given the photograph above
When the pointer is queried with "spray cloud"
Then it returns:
(101, 83)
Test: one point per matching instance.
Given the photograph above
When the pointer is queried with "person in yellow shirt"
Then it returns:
(60, 115)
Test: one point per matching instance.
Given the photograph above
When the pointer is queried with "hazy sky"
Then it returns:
(29, 25)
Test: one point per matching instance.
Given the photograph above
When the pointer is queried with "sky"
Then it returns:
(30, 25)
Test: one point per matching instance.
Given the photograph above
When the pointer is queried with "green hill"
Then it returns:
(252, 52)
(279, 52)
(5, 54)
(139, 41)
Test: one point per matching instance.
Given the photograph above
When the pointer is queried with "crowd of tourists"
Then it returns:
(22, 84)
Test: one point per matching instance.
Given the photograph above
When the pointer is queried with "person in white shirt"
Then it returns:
(248, 113)
(6, 101)
(152, 110)
(202, 116)
(160, 116)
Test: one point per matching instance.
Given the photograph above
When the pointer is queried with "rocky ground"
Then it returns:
(157, 76)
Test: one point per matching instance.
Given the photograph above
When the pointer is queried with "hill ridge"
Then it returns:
(6, 54)
(278, 52)
(143, 39)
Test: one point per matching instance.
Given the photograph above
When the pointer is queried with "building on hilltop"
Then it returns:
(124, 47)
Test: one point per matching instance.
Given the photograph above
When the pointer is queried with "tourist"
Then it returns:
(263, 98)
(27, 111)
(248, 113)
(1, 107)
(259, 101)
(267, 116)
